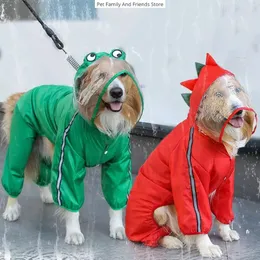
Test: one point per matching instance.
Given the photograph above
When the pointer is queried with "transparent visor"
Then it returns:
(109, 84)
(232, 118)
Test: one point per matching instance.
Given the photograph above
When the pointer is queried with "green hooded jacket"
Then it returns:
(50, 111)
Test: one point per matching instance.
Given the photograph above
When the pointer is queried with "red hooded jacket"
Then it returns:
(185, 169)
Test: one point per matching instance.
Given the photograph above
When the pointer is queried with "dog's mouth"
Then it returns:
(115, 106)
(236, 121)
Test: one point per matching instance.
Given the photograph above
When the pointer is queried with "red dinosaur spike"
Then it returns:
(189, 84)
(210, 60)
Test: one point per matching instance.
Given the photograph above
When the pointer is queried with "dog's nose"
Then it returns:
(116, 92)
(238, 113)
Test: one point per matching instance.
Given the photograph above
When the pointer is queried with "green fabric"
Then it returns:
(17, 155)
(186, 97)
(199, 67)
(44, 177)
(38, 113)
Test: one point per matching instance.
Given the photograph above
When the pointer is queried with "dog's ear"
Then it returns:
(85, 79)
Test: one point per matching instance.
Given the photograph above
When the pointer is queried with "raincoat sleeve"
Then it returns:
(190, 191)
(116, 176)
(221, 203)
(68, 172)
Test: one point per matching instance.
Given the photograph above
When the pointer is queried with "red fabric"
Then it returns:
(187, 169)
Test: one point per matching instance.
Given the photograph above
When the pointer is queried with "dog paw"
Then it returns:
(230, 235)
(211, 251)
(12, 213)
(227, 234)
(46, 195)
(117, 232)
(171, 242)
(76, 238)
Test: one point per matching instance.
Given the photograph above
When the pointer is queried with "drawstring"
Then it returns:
(58, 43)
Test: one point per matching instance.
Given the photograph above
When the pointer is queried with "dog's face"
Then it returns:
(121, 104)
(223, 97)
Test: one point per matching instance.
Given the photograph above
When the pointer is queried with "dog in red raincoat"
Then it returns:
(190, 174)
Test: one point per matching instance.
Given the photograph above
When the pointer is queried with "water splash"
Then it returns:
(39, 244)
(2, 13)
(56, 248)
(7, 252)
(137, 54)
(258, 188)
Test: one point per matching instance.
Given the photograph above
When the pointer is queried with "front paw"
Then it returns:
(12, 213)
(74, 238)
(211, 251)
(117, 232)
(227, 234)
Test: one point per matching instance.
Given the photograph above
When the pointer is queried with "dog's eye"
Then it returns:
(91, 57)
(102, 75)
(219, 94)
(117, 54)
(238, 90)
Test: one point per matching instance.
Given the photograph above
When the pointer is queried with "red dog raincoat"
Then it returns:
(185, 168)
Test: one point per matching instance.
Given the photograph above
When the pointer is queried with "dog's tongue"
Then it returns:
(115, 106)
(236, 122)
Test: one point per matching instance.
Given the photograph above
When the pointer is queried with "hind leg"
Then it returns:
(19, 149)
(166, 216)
(46, 195)
(160, 215)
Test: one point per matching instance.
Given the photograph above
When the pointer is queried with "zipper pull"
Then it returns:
(106, 151)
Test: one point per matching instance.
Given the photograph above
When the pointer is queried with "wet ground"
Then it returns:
(38, 234)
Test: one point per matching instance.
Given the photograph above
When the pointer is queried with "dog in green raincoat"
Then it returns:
(54, 132)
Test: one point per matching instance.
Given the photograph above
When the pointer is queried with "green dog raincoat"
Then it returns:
(50, 111)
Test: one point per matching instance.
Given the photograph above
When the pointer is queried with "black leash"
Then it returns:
(58, 43)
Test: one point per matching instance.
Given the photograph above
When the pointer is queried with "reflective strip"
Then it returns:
(192, 181)
(129, 169)
(62, 158)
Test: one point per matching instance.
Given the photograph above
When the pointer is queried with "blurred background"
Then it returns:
(162, 44)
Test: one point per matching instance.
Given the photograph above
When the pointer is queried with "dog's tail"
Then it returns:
(8, 109)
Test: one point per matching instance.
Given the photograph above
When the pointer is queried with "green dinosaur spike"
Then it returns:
(199, 66)
(186, 97)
